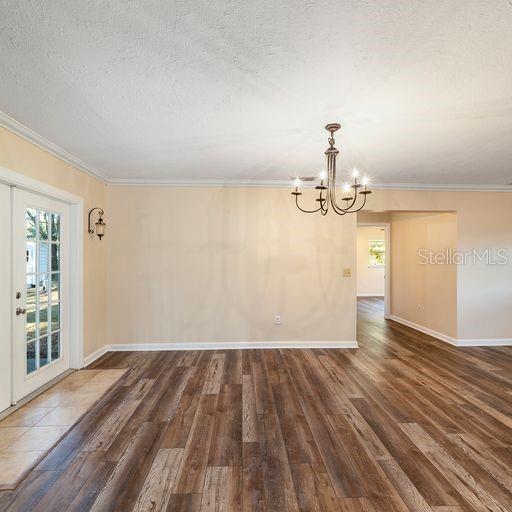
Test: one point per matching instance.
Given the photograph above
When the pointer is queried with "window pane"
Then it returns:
(55, 257)
(43, 225)
(30, 254)
(377, 251)
(43, 320)
(43, 351)
(55, 285)
(55, 320)
(43, 288)
(31, 323)
(43, 258)
(55, 345)
(55, 227)
(31, 290)
(30, 224)
(31, 356)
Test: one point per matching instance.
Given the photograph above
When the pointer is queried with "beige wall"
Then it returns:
(425, 294)
(23, 157)
(370, 280)
(369, 217)
(207, 264)
(217, 264)
(484, 220)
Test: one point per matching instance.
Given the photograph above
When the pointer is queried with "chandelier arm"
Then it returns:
(348, 209)
(339, 211)
(362, 206)
(324, 201)
(302, 209)
(335, 206)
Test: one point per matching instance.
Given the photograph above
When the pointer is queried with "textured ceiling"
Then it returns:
(223, 89)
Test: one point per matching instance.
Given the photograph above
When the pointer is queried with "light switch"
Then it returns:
(347, 272)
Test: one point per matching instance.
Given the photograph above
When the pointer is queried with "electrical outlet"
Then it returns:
(420, 307)
(277, 320)
(347, 272)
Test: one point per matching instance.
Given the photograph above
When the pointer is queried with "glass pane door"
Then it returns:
(43, 270)
(40, 269)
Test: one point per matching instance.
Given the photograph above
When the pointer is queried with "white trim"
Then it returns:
(426, 330)
(370, 295)
(76, 285)
(214, 345)
(87, 360)
(15, 179)
(26, 133)
(223, 345)
(442, 187)
(175, 182)
(496, 342)
(458, 342)
(171, 182)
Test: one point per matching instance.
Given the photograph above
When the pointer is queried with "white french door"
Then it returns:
(40, 288)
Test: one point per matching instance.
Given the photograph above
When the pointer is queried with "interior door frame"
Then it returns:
(387, 270)
(76, 263)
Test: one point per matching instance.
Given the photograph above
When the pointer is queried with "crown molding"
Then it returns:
(26, 133)
(307, 185)
(171, 182)
(442, 187)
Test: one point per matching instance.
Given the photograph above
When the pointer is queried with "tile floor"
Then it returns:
(29, 433)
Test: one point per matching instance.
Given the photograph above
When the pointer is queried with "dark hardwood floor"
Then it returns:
(403, 423)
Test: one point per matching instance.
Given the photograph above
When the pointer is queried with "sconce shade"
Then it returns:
(100, 227)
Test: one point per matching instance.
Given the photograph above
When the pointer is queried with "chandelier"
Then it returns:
(353, 196)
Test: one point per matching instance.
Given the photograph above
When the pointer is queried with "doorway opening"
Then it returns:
(373, 264)
(420, 272)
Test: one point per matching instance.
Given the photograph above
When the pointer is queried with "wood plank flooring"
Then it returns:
(404, 423)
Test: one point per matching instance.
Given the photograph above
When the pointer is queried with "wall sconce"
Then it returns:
(99, 225)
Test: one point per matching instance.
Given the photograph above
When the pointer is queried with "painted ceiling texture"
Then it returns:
(232, 90)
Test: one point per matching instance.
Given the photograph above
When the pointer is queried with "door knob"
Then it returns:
(20, 311)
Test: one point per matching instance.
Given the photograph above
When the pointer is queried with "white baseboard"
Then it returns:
(122, 347)
(496, 342)
(95, 355)
(379, 295)
(458, 342)
(127, 347)
(426, 330)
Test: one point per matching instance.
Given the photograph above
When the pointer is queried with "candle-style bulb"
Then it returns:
(346, 187)
(322, 175)
(296, 182)
(365, 180)
(355, 173)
